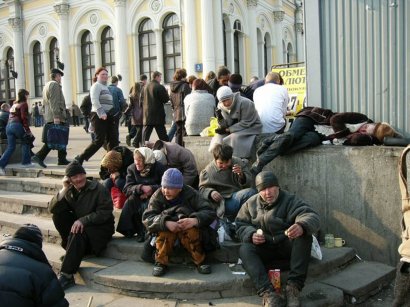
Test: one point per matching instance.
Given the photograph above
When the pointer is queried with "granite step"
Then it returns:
(24, 202)
(39, 185)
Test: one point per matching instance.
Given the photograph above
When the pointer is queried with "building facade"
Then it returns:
(132, 37)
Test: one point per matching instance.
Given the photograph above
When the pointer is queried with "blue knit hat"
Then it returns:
(172, 179)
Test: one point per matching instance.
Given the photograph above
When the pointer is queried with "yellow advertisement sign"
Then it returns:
(295, 81)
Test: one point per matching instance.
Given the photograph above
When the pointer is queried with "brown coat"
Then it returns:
(179, 90)
(155, 96)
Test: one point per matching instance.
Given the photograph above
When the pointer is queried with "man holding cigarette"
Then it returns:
(276, 225)
(226, 181)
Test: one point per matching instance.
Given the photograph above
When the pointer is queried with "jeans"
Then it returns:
(15, 130)
(172, 130)
(235, 202)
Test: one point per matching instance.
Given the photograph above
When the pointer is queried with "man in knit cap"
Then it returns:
(26, 277)
(177, 211)
(276, 225)
(82, 214)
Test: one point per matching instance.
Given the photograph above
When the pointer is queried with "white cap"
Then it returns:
(224, 93)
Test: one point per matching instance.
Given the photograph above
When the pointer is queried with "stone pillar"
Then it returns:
(46, 64)
(121, 45)
(253, 38)
(278, 18)
(160, 53)
(62, 10)
(229, 49)
(97, 53)
(191, 37)
(218, 29)
(16, 24)
(208, 37)
(300, 48)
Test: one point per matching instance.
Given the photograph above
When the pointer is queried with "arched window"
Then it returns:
(38, 70)
(87, 60)
(53, 59)
(236, 55)
(147, 47)
(171, 41)
(7, 82)
(108, 50)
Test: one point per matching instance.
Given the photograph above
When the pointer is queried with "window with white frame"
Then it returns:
(87, 60)
(171, 40)
(38, 65)
(147, 47)
(108, 50)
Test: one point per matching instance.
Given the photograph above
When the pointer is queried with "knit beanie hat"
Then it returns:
(235, 82)
(160, 157)
(31, 233)
(172, 179)
(147, 153)
(74, 168)
(224, 93)
(265, 180)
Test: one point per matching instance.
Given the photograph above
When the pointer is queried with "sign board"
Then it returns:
(198, 67)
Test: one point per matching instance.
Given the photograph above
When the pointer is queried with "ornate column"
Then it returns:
(46, 64)
(253, 38)
(121, 45)
(278, 18)
(16, 24)
(218, 29)
(208, 37)
(160, 53)
(300, 48)
(191, 37)
(63, 40)
(97, 53)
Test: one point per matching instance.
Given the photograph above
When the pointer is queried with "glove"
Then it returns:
(218, 114)
(220, 130)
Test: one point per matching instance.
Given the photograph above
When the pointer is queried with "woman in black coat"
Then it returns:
(143, 179)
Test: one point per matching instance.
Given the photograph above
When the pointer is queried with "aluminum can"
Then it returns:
(274, 277)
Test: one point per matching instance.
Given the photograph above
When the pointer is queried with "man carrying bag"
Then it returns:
(54, 114)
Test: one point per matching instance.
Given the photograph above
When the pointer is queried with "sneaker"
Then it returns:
(292, 295)
(63, 162)
(204, 269)
(29, 165)
(159, 270)
(2, 171)
(37, 160)
(272, 299)
(79, 160)
(65, 281)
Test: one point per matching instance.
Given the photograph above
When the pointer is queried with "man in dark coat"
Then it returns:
(82, 214)
(26, 277)
(155, 96)
(177, 211)
(222, 78)
(276, 225)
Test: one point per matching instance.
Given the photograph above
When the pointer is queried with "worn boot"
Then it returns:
(128, 140)
(272, 299)
(402, 286)
(62, 158)
(292, 295)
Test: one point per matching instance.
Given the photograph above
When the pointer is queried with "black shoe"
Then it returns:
(159, 270)
(128, 140)
(141, 237)
(204, 269)
(66, 282)
(63, 162)
(37, 160)
(79, 160)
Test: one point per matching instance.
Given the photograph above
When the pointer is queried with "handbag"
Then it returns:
(28, 138)
(57, 136)
(118, 197)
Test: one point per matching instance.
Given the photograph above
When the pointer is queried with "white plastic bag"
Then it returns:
(315, 252)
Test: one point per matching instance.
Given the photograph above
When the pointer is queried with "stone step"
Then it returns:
(24, 202)
(52, 171)
(361, 280)
(40, 185)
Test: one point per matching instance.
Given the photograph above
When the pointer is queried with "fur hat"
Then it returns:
(74, 168)
(112, 161)
(147, 153)
(265, 180)
(172, 179)
(224, 93)
(57, 71)
(160, 157)
(31, 233)
(382, 130)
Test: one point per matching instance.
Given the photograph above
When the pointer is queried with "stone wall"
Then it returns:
(354, 189)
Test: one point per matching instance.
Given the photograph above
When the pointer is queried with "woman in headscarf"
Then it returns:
(143, 179)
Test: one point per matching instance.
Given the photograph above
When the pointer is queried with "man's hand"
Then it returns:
(258, 239)
(172, 226)
(237, 169)
(147, 190)
(114, 175)
(103, 117)
(216, 196)
(56, 121)
(66, 182)
(294, 231)
(187, 223)
(77, 227)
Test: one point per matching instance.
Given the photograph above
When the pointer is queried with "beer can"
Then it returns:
(274, 277)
